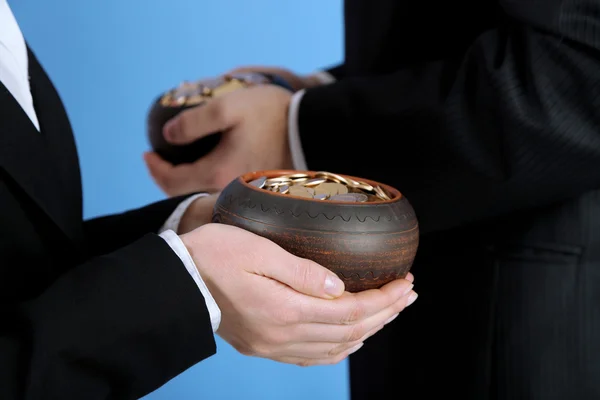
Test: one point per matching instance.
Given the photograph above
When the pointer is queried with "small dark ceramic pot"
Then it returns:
(366, 244)
(159, 114)
(175, 154)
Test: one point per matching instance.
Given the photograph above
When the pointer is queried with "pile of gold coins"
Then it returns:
(195, 93)
(322, 186)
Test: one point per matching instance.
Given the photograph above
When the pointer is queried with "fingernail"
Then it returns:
(333, 285)
(408, 289)
(411, 299)
(391, 319)
(355, 348)
(170, 129)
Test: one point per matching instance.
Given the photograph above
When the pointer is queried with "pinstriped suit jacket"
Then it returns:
(486, 115)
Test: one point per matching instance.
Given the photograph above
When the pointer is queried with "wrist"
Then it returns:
(198, 213)
(317, 79)
(309, 81)
(194, 242)
(200, 245)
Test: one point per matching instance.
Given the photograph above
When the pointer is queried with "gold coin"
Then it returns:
(297, 189)
(228, 87)
(314, 182)
(332, 177)
(276, 185)
(195, 100)
(338, 188)
(294, 176)
(331, 189)
(352, 182)
(166, 100)
(326, 175)
(278, 181)
(320, 191)
(365, 186)
(381, 193)
(359, 185)
(339, 178)
(300, 191)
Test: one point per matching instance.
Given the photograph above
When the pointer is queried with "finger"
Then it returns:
(353, 307)
(314, 350)
(307, 362)
(253, 68)
(325, 349)
(350, 333)
(306, 277)
(198, 122)
(218, 168)
(168, 177)
(158, 167)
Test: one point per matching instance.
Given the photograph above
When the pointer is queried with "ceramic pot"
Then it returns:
(366, 244)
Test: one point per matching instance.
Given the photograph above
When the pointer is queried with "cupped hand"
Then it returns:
(285, 308)
(254, 126)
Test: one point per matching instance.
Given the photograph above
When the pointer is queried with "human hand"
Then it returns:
(198, 213)
(285, 308)
(254, 126)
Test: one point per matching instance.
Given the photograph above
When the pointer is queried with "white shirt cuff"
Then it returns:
(324, 77)
(179, 248)
(172, 222)
(298, 159)
(167, 232)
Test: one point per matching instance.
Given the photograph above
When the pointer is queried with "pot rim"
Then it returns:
(272, 173)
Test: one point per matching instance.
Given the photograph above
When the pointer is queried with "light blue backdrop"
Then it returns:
(109, 58)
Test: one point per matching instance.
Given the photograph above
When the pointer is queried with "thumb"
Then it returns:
(308, 277)
(197, 122)
(157, 166)
(172, 179)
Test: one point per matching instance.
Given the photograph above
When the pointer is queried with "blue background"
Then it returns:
(110, 58)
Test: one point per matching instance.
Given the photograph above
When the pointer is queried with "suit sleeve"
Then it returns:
(511, 124)
(116, 327)
(337, 71)
(108, 233)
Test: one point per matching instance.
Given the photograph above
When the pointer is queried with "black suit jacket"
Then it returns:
(486, 115)
(101, 309)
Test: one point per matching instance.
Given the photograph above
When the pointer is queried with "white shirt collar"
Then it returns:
(11, 38)
(14, 68)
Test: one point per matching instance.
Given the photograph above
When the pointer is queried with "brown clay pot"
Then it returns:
(158, 116)
(366, 244)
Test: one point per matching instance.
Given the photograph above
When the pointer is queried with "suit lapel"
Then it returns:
(30, 157)
(62, 149)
